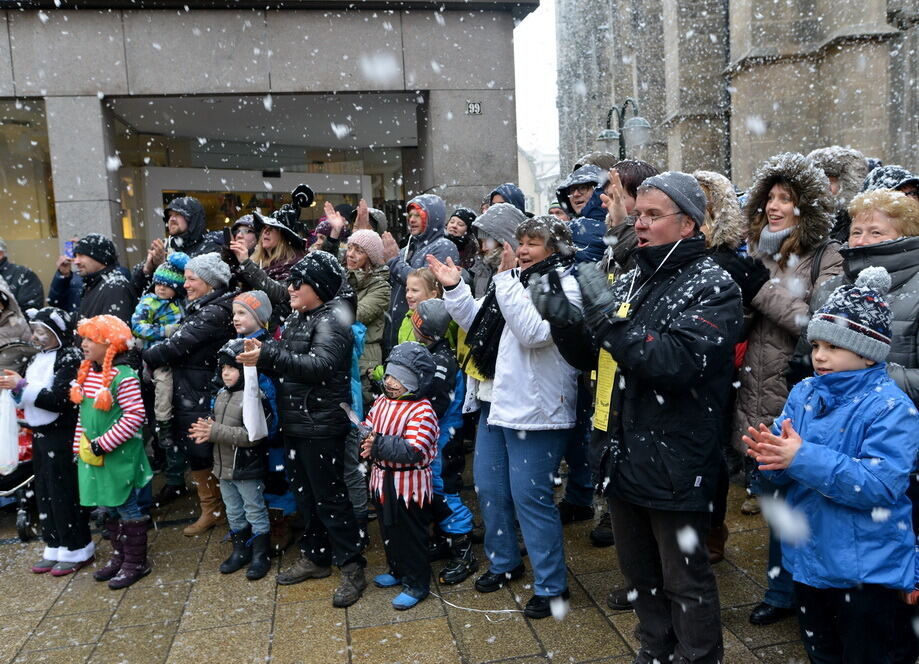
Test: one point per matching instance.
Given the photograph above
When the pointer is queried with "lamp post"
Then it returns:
(633, 132)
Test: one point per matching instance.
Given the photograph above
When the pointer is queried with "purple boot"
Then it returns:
(135, 565)
(116, 538)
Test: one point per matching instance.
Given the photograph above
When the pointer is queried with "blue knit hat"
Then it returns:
(856, 316)
(172, 272)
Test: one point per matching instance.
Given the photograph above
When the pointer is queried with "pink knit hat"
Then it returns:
(371, 243)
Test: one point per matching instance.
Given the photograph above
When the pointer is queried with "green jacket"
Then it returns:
(125, 468)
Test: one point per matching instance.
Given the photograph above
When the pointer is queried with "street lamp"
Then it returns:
(633, 132)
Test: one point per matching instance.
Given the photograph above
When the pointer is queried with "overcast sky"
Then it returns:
(534, 58)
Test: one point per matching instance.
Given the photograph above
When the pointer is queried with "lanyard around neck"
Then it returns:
(631, 295)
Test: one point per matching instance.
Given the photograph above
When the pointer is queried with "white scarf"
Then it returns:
(39, 376)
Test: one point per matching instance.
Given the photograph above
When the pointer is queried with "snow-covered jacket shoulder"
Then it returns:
(860, 434)
(588, 230)
(534, 388)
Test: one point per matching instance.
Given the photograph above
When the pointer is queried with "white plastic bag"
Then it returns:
(253, 413)
(9, 434)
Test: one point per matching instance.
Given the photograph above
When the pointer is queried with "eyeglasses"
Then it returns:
(582, 188)
(647, 220)
(244, 230)
(294, 284)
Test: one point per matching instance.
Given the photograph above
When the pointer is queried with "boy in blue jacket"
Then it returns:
(844, 446)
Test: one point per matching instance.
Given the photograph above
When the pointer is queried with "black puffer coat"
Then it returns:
(675, 367)
(107, 291)
(313, 364)
(192, 354)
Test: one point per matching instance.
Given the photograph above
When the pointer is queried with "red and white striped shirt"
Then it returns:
(132, 411)
(416, 422)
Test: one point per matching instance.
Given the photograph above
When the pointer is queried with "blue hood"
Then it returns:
(587, 231)
(512, 194)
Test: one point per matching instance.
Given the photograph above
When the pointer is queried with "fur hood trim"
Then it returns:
(846, 164)
(725, 219)
(811, 187)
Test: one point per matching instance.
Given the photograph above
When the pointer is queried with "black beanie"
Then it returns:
(322, 271)
(97, 247)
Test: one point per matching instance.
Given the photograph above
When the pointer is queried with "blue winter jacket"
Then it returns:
(587, 231)
(849, 479)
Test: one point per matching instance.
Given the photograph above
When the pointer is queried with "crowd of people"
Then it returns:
(658, 332)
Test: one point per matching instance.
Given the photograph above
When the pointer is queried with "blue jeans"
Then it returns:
(129, 510)
(245, 505)
(513, 472)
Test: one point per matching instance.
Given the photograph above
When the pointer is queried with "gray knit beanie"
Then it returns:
(856, 316)
(211, 269)
(431, 318)
(256, 302)
(684, 190)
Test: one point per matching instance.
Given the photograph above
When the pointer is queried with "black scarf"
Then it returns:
(485, 332)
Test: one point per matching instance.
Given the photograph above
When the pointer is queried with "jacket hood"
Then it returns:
(500, 222)
(588, 173)
(811, 187)
(726, 221)
(512, 194)
(436, 210)
(418, 359)
(899, 257)
(193, 211)
(846, 164)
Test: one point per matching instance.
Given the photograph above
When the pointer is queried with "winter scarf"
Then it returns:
(484, 334)
(770, 242)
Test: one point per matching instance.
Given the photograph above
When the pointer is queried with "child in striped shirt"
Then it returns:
(401, 443)
(112, 466)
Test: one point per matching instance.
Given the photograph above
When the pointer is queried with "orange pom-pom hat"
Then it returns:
(113, 332)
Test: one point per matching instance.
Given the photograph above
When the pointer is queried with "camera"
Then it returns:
(289, 213)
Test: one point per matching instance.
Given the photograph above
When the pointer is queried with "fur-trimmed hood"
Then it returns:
(846, 164)
(811, 187)
(725, 219)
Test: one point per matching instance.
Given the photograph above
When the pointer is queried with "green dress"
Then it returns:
(125, 468)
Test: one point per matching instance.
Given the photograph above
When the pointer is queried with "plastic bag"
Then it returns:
(9, 434)
(253, 413)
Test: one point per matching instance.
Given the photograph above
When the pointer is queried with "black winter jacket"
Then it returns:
(444, 385)
(675, 367)
(192, 353)
(312, 362)
(24, 284)
(107, 291)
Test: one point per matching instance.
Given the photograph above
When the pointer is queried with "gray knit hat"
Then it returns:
(211, 269)
(684, 190)
(856, 316)
(256, 302)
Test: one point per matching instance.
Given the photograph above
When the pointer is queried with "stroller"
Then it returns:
(17, 484)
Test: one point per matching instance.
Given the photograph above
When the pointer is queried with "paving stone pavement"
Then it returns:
(186, 611)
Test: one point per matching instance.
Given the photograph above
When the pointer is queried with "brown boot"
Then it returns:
(280, 535)
(717, 538)
(212, 510)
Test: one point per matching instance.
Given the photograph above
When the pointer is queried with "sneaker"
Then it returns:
(569, 512)
(618, 600)
(602, 535)
(43, 566)
(302, 570)
(462, 562)
(491, 581)
(62, 568)
(540, 606)
(750, 506)
(352, 586)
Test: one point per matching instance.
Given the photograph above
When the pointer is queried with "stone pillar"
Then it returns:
(465, 155)
(83, 170)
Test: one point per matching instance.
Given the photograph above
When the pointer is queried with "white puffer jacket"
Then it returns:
(534, 389)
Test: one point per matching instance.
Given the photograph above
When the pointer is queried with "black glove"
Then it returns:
(750, 275)
(96, 448)
(548, 296)
(595, 291)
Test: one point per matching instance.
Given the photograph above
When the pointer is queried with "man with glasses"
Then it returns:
(661, 341)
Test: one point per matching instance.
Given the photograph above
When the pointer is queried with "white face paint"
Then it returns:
(43, 338)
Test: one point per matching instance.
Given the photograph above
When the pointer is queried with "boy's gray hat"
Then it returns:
(856, 316)
(431, 318)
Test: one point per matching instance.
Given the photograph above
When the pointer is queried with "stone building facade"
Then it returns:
(727, 83)
(109, 109)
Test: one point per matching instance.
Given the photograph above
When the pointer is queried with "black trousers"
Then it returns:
(720, 501)
(677, 602)
(847, 625)
(405, 538)
(65, 522)
(315, 467)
